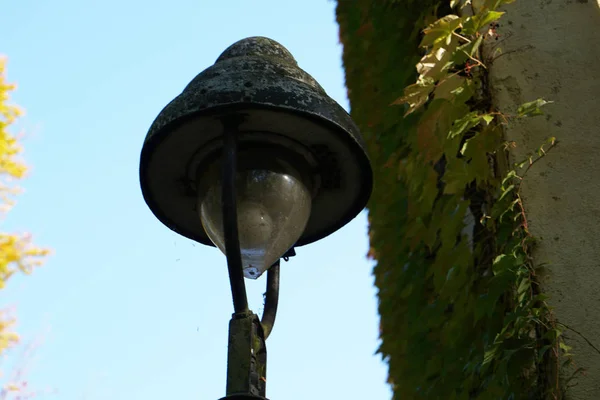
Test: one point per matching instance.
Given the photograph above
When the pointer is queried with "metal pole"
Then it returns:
(247, 353)
(230, 225)
(271, 299)
(246, 358)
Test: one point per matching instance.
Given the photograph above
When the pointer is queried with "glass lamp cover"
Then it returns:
(273, 208)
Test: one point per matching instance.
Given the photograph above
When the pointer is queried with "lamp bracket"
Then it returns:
(247, 357)
(290, 253)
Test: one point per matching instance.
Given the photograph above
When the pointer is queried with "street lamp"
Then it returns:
(254, 158)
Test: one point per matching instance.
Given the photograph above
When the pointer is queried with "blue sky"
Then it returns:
(127, 308)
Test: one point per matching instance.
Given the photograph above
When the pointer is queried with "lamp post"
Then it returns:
(254, 158)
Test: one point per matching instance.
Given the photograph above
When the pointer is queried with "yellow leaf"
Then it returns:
(17, 252)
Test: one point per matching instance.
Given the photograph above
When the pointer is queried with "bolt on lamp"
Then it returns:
(254, 158)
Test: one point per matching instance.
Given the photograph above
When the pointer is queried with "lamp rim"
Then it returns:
(153, 141)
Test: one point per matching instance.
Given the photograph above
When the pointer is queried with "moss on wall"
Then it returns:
(380, 40)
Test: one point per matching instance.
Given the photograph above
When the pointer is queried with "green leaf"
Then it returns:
(432, 130)
(406, 291)
(436, 63)
(475, 23)
(506, 192)
(459, 95)
(440, 30)
(552, 334)
(442, 308)
(489, 355)
(484, 142)
(532, 108)
(479, 147)
(454, 222)
(465, 123)
(429, 193)
(456, 177)
(489, 17)
(564, 347)
(510, 176)
(449, 87)
(466, 51)
(523, 289)
(502, 263)
(416, 94)
(488, 118)
(494, 4)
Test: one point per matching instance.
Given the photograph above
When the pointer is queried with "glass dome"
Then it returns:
(273, 208)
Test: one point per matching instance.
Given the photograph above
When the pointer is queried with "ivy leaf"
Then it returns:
(494, 4)
(437, 62)
(429, 193)
(483, 306)
(532, 108)
(564, 347)
(463, 124)
(501, 263)
(440, 30)
(488, 118)
(489, 17)
(506, 192)
(540, 150)
(416, 94)
(489, 355)
(456, 177)
(486, 141)
(454, 220)
(451, 144)
(523, 289)
(466, 51)
(478, 21)
(478, 148)
(499, 285)
(406, 291)
(468, 26)
(432, 129)
(417, 231)
(478, 159)
(449, 87)
(510, 177)
(460, 96)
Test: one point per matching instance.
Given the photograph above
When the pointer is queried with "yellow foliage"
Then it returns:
(17, 253)
(10, 167)
(7, 337)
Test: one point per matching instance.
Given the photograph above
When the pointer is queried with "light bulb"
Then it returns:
(273, 207)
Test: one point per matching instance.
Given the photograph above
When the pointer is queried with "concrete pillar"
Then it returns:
(552, 50)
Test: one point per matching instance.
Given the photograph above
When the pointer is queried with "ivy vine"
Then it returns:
(463, 316)
(479, 310)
